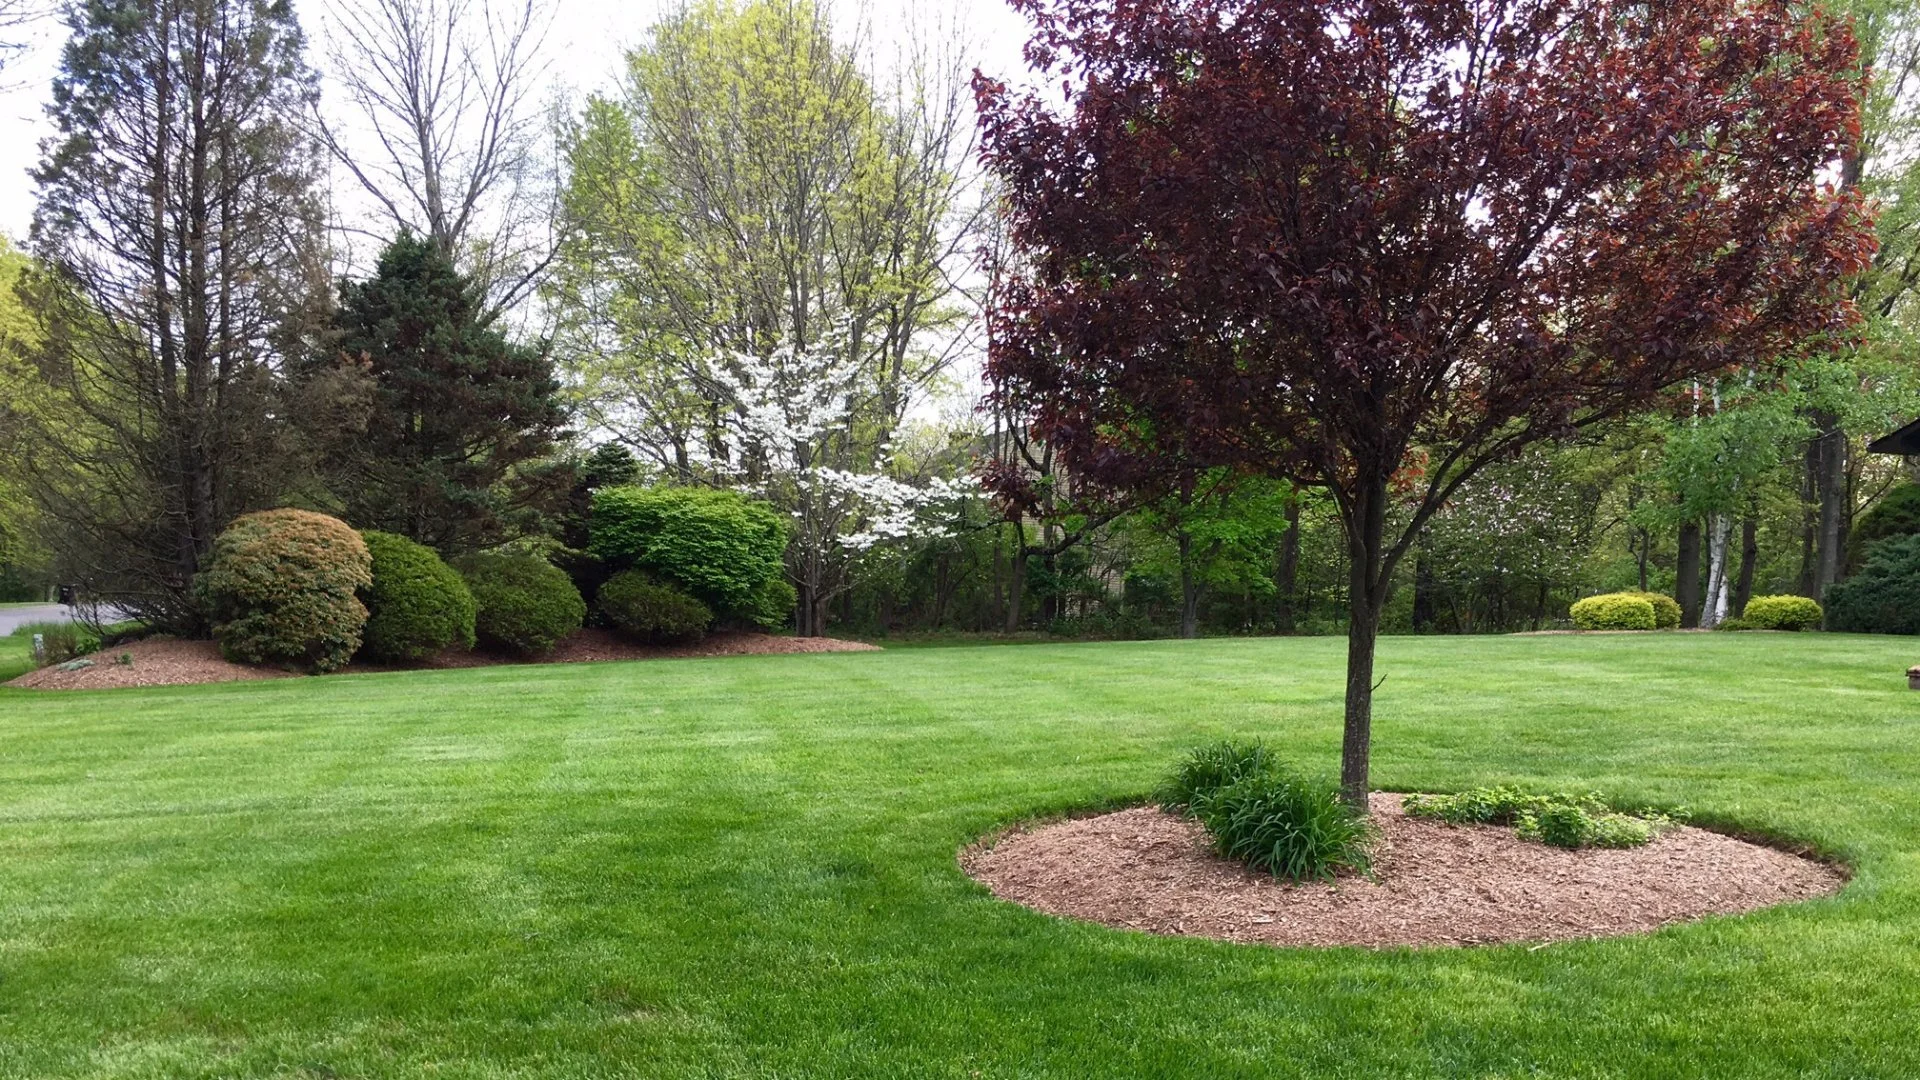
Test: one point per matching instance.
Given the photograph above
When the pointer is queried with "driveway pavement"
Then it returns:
(12, 616)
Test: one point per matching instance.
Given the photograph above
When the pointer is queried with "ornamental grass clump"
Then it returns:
(1558, 819)
(1260, 813)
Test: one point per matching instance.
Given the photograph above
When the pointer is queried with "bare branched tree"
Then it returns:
(445, 128)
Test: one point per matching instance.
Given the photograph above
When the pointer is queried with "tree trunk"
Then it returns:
(1646, 541)
(1189, 591)
(1365, 599)
(1719, 526)
(1686, 571)
(1289, 569)
(1015, 585)
(1830, 490)
(1749, 555)
(1422, 590)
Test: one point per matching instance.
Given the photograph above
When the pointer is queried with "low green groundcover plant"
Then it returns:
(1559, 819)
(1614, 611)
(643, 607)
(417, 604)
(1781, 613)
(1261, 813)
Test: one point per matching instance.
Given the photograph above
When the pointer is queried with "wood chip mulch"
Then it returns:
(1435, 884)
(166, 662)
(156, 662)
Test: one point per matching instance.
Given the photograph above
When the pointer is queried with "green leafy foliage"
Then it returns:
(61, 640)
(417, 604)
(522, 603)
(1782, 613)
(1209, 768)
(773, 605)
(1284, 824)
(719, 546)
(1666, 610)
(1557, 819)
(1896, 514)
(643, 607)
(1884, 597)
(1615, 611)
(283, 587)
(1260, 813)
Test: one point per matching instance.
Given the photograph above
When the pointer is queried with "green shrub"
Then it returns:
(62, 641)
(1884, 597)
(1666, 610)
(773, 605)
(718, 546)
(1286, 825)
(417, 604)
(1896, 514)
(1614, 611)
(1782, 613)
(1209, 768)
(282, 587)
(639, 606)
(1557, 819)
(522, 603)
(1734, 622)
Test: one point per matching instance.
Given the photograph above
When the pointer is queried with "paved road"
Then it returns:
(11, 616)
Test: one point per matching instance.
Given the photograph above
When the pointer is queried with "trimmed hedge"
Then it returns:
(1614, 611)
(638, 605)
(522, 603)
(1781, 613)
(718, 546)
(417, 604)
(283, 587)
(1884, 597)
(1666, 610)
(1896, 514)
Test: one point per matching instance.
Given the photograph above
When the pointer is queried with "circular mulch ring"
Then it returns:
(1436, 884)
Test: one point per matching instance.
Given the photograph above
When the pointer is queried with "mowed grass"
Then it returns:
(744, 867)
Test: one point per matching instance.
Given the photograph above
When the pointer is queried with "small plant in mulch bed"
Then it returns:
(1559, 819)
(1261, 813)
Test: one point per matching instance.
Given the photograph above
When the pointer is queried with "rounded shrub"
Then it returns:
(1666, 610)
(773, 605)
(1896, 514)
(417, 604)
(636, 604)
(1884, 597)
(522, 603)
(1781, 613)
(283, 587)
(1614, 611)
(719, 546)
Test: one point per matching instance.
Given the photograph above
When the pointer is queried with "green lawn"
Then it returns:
(745, 867)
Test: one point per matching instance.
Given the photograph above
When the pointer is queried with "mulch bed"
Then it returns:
(166, 662)
(1435, 884)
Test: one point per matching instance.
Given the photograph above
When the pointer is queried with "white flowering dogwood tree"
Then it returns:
(789, 436)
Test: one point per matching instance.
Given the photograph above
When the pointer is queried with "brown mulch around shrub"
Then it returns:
(156, 662)
(165, 662)
(1436, 884)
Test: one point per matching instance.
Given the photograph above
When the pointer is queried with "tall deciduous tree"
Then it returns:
(177, 218)
(459, 413)
(441, 129)
(1368, 244)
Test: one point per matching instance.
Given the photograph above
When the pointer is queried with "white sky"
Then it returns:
(584, 49)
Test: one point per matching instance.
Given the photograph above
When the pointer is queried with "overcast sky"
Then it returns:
(584, 48)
